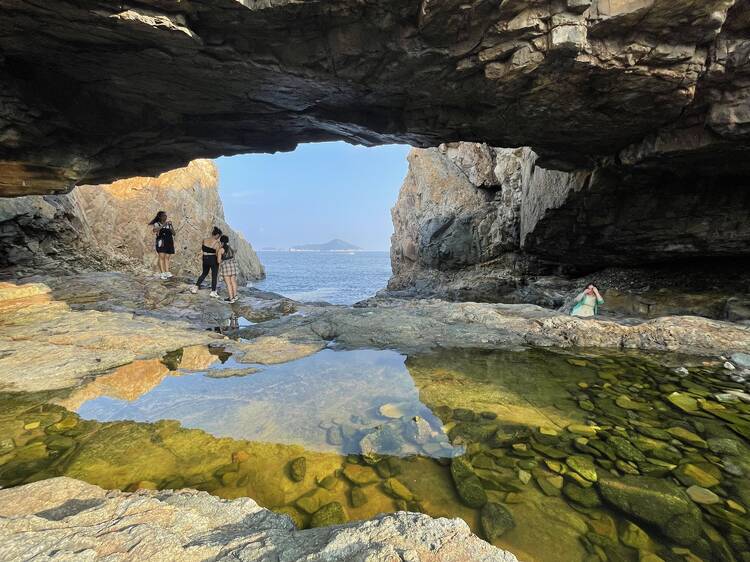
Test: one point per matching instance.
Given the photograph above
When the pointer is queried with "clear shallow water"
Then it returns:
(556, 457)
(338, 278)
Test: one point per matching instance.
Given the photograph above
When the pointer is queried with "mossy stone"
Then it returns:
(687, 437)
(388, 467)
(361, 475)
(395, 488)
(583, 466)
(496, 520)
(357, 497)
(683, 402)
(461, 469)
(635, 537)
(587, 497)
(330, 514)
(308, 503)
(549, 485)
(298, 469)
(297, 519)
(625, 450)
(462, 414)
(657, 502)
(329, 482)
(471, 491)
(700, 474)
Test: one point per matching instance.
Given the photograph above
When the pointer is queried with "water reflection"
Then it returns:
(554, 456)
(347, 402)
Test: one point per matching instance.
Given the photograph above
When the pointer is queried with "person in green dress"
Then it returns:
(587, 303)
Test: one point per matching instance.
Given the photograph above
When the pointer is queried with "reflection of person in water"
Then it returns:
(234, 322)
(587, 303)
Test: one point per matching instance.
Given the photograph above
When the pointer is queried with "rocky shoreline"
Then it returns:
(65, 519)
(64, 331)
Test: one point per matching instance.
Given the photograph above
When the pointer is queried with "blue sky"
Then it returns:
(316, 193)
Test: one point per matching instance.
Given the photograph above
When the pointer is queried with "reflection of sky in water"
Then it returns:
(292, 403)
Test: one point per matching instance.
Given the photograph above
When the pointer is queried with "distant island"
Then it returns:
(335, 245)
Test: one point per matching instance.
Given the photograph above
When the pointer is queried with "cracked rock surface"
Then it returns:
(94, 91)
(65, 519)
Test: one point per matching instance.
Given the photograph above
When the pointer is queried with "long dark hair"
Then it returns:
(157, 218)
(216, 231)
(228, 250)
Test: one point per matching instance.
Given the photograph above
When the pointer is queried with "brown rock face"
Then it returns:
(94, 91)
(119, 214)
(106, 226)
(479, 223)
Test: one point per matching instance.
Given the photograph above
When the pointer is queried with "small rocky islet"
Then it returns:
(637, 461)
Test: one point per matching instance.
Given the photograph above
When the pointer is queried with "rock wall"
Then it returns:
(479, 223)
(651, 83)
(106, 226)
(119, 213)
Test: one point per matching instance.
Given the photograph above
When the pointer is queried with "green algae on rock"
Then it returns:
(657, 502)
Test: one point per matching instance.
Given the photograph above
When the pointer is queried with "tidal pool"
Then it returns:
(552, 455)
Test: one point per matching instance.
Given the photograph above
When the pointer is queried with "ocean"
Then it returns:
(337, 278)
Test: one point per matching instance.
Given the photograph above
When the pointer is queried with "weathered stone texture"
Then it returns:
(67, 519)
(106, 226)
(159, 83)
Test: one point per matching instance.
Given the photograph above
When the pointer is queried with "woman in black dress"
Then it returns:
(162, 228)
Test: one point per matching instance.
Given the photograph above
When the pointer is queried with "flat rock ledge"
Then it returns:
(45, 344)
(64, 519)
(420, 325)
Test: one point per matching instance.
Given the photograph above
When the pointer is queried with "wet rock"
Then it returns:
(581, 429)
(583, 466)
(471, 491)
(702, 495)
(461, 469)
(657, 502)
(549, 485)
(418, 430)
(395, 488)
(361, 475)
(700, 474)
(688, 437)
(524, 476)
(586, 497)
(464, 414)
(549, 452)
(298, 469)
(684, 402)
(472, 432)
(496, 520)
(389, 466)
(627, 403)
(328, 482)
(625, 450)
(334, 436)
(635, 537)
(396, 410)
(330, 514)
(357, 497)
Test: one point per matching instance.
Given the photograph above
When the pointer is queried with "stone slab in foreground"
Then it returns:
(66, 519)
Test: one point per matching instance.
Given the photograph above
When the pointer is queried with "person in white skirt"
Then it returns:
(228, 268)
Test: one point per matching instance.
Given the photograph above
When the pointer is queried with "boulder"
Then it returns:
(657, 502)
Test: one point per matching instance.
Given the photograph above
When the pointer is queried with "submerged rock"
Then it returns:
(298, 469)
(496, 520)
(330, 514)
(655, 501)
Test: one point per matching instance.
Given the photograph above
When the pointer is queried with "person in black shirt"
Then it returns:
(162, 228)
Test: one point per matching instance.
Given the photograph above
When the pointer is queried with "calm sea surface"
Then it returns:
(337, 278)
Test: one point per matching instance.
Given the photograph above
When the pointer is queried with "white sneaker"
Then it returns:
(213, 295)
(164, 276)
(168, 275)
(194, 289)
